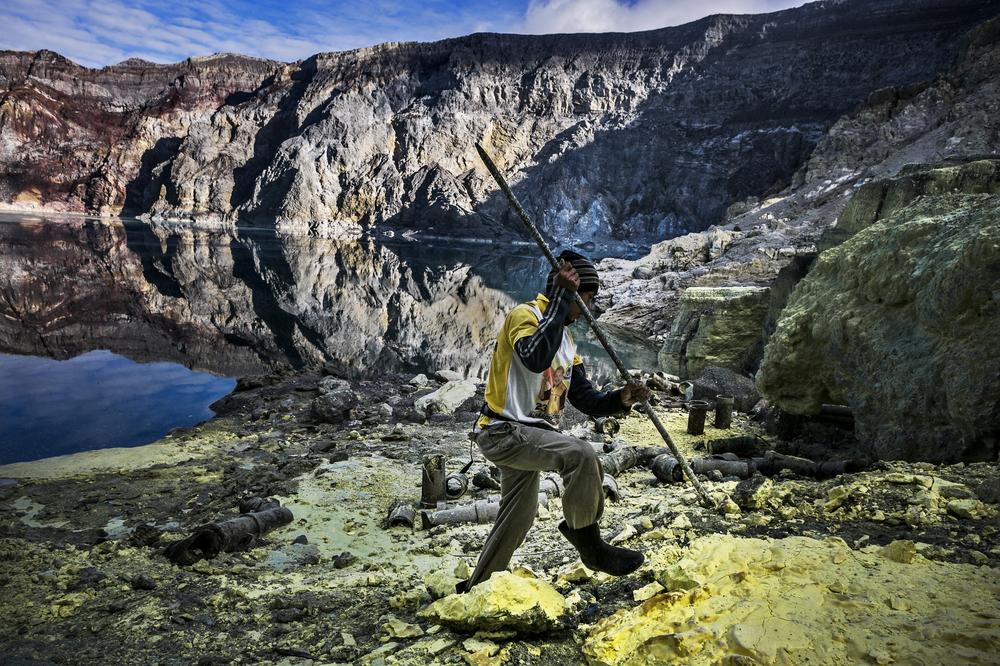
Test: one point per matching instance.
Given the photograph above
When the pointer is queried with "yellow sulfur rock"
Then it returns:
(577, 572)
(902, 551)
(67, 605)
(480, 645)
(647, 591)
(438, 645)
(396, 628)
(967, 508)
(681, 522)
(505, 601)
(803, 601)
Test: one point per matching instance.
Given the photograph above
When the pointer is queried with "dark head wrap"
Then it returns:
(585, 270)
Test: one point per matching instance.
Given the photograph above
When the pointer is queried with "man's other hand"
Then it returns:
(635, 392)
(567, 277)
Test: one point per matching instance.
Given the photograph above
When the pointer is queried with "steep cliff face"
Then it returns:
(608, 137)
(73, 139)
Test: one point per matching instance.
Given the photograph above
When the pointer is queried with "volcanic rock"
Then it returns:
(898, 323)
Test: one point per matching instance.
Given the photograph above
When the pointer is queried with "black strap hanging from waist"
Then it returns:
(486, 411)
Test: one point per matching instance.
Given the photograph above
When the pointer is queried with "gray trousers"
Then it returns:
(521, 452)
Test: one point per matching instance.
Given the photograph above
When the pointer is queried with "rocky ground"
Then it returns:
(894, 564)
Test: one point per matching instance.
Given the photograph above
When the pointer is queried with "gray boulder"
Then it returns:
(335, 401)
(446, 399)
(714, 381)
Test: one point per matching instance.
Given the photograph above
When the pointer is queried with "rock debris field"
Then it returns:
(893, 564)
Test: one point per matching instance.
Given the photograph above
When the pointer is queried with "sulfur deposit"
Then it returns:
(804, 601)
(514, 601)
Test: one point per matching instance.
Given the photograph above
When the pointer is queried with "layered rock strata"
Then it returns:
(617, 136)
(720, 326)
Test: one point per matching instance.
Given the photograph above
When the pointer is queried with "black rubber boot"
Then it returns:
(601, 556)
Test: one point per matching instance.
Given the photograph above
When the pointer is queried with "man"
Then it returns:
(534, 369)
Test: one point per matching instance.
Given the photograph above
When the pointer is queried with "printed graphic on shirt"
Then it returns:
(553, 391)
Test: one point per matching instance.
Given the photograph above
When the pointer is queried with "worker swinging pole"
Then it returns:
(647, 408)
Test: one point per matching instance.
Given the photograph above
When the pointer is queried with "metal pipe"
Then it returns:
(456, 484)
(667, 470)
(773, 462)
(484, 480)
(480, 511)
(226, 536)
(432, 485)
(742, 468)
(598, 331)
(401, 513)
(723, 411)
(741, 446)
(607, 425)
(696, 417)
(610, 486)
(551, 484)
(619, 460)
(658, 382)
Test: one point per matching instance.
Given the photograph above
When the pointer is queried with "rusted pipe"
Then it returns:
(647, 454)
(696, 417)
(456, 484)
(432, 484)
(401, 513)
(619, 460)
(723, 411)
(667, 470)
(485, 480)
(238, 533)
(610, 487)
(607, 425)
(741, 446)
(480, 511)
(772, 463)
(741, 468)
(551, 484)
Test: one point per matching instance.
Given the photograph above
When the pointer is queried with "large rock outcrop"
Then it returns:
(630, 137)
(719, 326)
(87, 140)
(900, 322)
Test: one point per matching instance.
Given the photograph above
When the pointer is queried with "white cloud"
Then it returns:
(102, 32)
(552, 16)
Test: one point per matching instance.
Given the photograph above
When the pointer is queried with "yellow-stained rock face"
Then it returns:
(505, 601)
(802, 601)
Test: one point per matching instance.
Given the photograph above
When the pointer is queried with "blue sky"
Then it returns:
(101, 32)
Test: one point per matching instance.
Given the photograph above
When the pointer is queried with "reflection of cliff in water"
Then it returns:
(237, 302)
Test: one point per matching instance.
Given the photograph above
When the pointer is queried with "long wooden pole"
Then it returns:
(647, 408)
